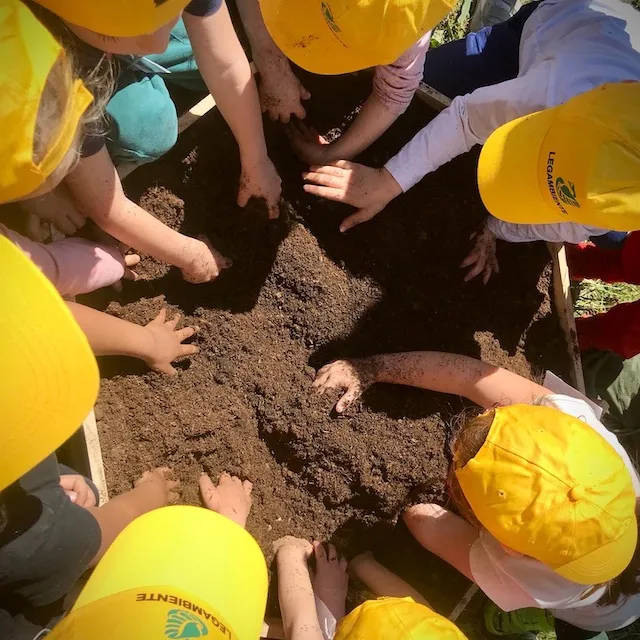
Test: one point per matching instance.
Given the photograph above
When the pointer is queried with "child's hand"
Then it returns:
(157, 480)
(231, 497)
(260, 180)
(57, 206)
(308, 144)
(344, 374)
(77, 490)
(281, 93)
(203, 263)
(297, 547)
(482, 258)
(166, 342)
(366, 188)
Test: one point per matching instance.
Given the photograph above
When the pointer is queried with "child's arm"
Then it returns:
(226, 71)
(483, 383)
(152, 491)
(157, 343)
(295, 593)
(95, 186)
(75, 265)
(381, 581)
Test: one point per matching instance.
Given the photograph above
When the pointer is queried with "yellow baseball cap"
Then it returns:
(29, 52)
(177, 572)
(49, 377)
(578, 162)
(117, 18)
(339, 36)
(396, 619)
(549, 486)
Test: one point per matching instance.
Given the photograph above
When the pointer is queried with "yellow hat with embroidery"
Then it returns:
(550, 487)
(177, 572)
(396, 619)
(340, 36)
(49, 377)
(578, 162)
(29, 52)
(117, 18)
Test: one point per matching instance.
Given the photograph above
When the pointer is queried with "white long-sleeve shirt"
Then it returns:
(567, 47)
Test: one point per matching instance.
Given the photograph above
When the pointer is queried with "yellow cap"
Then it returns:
(396, 619)
(49, 377)
(340, 36)
(117, 18)
(28, 52)
(578, 162)
(549, 486)
(177, 572)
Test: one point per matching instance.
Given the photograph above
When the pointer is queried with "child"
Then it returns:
(398, 63)
(549, 496)
(545, 55)
(317, 611)
(141, 112)
(44, 107)
(51, 527)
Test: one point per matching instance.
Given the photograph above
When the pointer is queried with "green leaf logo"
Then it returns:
(184, 624)
(567, 192)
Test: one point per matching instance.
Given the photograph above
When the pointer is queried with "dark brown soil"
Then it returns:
(299, 295)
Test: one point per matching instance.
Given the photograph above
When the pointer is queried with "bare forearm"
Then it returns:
(254, 26)
(372, 121)
(226, 71)
(120, 511)
(382, 581)
(483, 383)
(111, 336)
(297, 601)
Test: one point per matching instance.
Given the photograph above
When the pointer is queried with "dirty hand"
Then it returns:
(231, 497)
(344, 374)
(157, 480)
(166, 342)
(298, 547)
(57, 206)
(367, 189)
(203, 263)
(281, 93)
(308, 144)
(482, 258)
(78, 491)
(260, 180)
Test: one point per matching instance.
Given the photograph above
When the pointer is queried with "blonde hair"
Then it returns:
(54, 104)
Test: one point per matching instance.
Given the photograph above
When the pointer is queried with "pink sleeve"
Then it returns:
(73, 265)
(394, 84)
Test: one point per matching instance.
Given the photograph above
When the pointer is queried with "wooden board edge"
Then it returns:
(432, 97)
(94, 452)
(564, 307)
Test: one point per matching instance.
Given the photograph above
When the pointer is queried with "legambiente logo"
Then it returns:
(184, 624)
(561, 191)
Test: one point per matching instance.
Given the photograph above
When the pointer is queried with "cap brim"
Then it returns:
(191, 549)
(509, 171)
(50, 377)
(605, 563)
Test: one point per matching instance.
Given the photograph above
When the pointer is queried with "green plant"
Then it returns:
(594, 296)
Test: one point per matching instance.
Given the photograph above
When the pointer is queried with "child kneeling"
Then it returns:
(549, 496)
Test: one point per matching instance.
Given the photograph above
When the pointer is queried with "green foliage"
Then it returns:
(595, 296)
(455, 25)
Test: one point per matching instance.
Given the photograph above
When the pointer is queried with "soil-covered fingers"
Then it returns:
(166, 342)
(131, 261)
(340, 375)
(291, 545)
(231, 497)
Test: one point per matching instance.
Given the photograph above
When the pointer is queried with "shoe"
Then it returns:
(501, 623)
